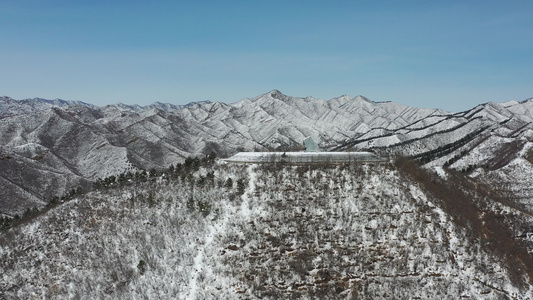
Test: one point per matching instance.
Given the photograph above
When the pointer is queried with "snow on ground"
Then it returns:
(440, 171)
(295, 233)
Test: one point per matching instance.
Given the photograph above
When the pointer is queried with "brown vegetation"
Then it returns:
(467, 203)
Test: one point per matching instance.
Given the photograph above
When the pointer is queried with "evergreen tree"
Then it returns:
(229, 183)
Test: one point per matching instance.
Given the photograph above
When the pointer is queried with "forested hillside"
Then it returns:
(205, 230)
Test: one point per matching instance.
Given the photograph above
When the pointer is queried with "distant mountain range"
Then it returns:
(48, 147)
(447, 214)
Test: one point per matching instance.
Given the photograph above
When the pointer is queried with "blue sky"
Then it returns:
(436, 54)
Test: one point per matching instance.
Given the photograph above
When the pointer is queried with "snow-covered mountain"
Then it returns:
(456, 225)
(48, 151)
(11, 107)
(273, 232)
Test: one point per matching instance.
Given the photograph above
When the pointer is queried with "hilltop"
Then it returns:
(366, 231)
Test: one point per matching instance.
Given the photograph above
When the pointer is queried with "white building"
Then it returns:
(305, 157)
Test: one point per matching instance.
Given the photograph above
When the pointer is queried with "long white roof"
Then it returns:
(303, 157)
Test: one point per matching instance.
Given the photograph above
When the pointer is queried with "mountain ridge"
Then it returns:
(75, 139)
(137, 208)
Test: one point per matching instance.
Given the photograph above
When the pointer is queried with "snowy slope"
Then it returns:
(76, 143)
(359, 232)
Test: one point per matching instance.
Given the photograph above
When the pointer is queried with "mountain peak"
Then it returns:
(273, 94)
(276, 94)
(363, 98)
